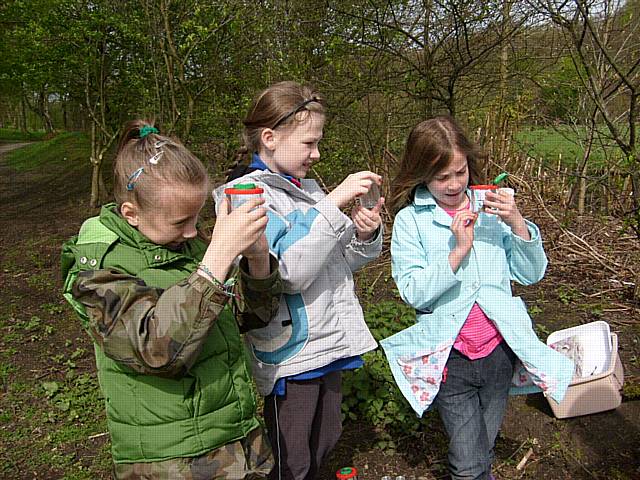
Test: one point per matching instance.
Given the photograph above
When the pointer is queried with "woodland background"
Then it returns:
(549, 88)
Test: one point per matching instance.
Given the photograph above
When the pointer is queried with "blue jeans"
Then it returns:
(471, 403)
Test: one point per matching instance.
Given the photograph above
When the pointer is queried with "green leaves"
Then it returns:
(50, 388)
(370, 393)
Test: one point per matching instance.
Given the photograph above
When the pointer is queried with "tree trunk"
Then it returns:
(43, 108)
(427, 59)
(23, 115)
(64, 115)
(94, 201)
(582, 193)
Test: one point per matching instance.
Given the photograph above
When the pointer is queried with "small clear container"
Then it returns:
(507, 190)
(241, 193)
(478, 193)
(370, 199)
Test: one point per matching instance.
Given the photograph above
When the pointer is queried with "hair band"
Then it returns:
(146, 130)
(295, 110)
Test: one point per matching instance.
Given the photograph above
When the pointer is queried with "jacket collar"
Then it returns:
(258, 164)
(156, 255)
(274, 180)
(424, 200)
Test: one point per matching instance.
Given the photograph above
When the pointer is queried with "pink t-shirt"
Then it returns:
(478, 336)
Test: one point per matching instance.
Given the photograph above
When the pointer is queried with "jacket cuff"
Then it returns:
(451, 278)
(375, 238)
(534, 231)
(260, 284)
(337, 220)
(209, 291)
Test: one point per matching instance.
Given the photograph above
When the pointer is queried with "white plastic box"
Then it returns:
(599, 386)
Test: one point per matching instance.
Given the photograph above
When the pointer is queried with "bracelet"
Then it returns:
(226, 287)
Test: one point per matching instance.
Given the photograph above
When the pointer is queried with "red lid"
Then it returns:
(244, 189)
(346, 473)
(483, 187)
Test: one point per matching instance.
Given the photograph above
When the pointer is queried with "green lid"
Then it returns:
(500, 178)
(244, 186)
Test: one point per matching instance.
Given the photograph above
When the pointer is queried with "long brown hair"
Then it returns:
(146, 160)
(429, 149)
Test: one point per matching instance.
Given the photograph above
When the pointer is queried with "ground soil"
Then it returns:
(42, 208)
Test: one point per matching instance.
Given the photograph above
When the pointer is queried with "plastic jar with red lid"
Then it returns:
(242, 192)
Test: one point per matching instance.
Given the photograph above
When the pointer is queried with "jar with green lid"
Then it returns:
(241, 193)
(347, 473)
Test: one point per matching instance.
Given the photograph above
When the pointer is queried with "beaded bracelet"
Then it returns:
(226, 287)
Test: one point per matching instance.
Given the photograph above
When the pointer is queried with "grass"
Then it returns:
(51, 407)
(548, 143)
(13, 135)
(67, 148)
(45, 428)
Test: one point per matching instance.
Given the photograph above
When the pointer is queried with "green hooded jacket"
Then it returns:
(169, 355)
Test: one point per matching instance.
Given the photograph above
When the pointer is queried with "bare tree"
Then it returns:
(604, 38)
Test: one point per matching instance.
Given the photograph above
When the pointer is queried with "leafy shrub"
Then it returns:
(370, 393)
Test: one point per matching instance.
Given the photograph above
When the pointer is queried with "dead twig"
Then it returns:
(524, 460)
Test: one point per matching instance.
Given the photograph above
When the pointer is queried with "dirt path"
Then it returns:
(7, 147)
(41, 341)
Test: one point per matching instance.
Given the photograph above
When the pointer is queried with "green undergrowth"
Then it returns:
(52, 417)
(70, 149)
(370, 394)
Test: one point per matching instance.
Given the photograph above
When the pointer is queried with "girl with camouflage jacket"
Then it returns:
(154, 297)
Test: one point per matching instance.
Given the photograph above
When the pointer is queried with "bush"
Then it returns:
(370, 393)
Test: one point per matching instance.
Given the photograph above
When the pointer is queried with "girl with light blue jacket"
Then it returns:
(473, 340)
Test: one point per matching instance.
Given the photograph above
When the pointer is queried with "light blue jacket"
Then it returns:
(420, 246)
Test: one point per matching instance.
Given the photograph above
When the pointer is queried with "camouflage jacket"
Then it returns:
(169, 356)
(161, 332)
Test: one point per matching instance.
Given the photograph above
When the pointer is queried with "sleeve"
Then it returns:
(153, 331)
(526, 258)
(303, 242)
(359, 253)
(259, 297)
(420, 282)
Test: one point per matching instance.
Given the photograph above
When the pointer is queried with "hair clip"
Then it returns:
(160, 143)
(156, 157)
(146, 130)
(133, 178)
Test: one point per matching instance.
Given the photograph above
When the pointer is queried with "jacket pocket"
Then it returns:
(285, 335)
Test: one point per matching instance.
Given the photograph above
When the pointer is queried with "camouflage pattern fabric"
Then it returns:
(258, 300)
(161, 332)
(247, 459)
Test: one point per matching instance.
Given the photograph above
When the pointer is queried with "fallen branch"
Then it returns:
(524, 460)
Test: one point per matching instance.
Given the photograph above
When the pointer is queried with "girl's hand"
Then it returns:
(367, 220)
(462, 228)
(353, 186)
(504, 205)
(236, 232)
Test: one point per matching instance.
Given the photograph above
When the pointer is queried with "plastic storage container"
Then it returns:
(369, 199)
(478, 193)
(242, 192)
(597, 385)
